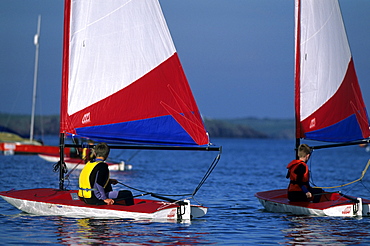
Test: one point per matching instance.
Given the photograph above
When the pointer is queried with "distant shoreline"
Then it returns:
(248, 127)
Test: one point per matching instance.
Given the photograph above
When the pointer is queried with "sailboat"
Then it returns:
(123, 84)
(11, 142)
(328, 101)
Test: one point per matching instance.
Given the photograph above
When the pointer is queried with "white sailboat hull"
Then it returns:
(277, 201)
(67, 204)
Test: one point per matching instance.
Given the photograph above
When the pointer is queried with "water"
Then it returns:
(235, 216)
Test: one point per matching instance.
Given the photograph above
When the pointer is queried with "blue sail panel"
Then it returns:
(343, 131)
(147, 131)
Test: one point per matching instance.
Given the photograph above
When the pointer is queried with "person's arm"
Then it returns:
(100, 194)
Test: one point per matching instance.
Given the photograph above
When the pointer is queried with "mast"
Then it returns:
(297, 73)
(36, 42)
(61, 161)
(64, 93)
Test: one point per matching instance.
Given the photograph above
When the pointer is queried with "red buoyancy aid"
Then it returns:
(295, 184)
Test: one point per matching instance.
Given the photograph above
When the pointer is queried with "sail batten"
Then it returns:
(329, 104)
(123, 79)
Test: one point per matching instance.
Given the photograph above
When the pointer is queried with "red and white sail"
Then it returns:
(122, 78)
(329, 104)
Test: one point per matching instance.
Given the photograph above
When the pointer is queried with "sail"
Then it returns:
(122, 78)
(328, 100)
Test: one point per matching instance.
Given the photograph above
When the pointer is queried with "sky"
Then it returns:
(238, 55)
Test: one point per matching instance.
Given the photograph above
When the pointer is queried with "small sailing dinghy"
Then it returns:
(122, 83)
(328, 101)
(12, 142)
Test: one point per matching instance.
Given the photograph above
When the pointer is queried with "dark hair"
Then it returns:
(101, 150)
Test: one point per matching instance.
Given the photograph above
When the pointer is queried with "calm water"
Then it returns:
(235, 216)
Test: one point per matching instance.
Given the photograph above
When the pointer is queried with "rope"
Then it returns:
(359, 179)
(57, 165)
(150, 193)
(74, 168)
(209, 171)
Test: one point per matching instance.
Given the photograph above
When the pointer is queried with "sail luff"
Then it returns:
(297, 72)
(65, 68)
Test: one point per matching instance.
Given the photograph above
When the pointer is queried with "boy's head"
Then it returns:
(303, 150)
(101, 150)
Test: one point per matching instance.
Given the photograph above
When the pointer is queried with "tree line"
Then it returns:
(226, 128)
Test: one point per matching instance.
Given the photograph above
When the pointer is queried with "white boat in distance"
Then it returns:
(79, 164)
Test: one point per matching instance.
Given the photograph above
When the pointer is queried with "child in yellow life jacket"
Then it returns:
(299, 189)
(95, 184)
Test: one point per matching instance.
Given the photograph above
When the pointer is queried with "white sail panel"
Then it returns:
(115, 41)
(325, 53)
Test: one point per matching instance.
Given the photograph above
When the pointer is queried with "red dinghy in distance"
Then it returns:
(328, 101)
(123, 84)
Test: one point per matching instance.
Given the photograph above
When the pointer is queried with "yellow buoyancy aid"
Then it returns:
(85, 184)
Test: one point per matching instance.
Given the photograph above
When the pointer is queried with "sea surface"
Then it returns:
(235, 216)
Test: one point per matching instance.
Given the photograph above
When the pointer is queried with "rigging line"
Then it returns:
(209, 171)
(129, 159)
(133, 155)
(359, 179)
(206, 175)
(151, 193)
(310, 168)
(365, 186)
(74, 168)
(132, 188)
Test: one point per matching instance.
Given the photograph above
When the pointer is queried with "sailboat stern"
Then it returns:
(198, 211)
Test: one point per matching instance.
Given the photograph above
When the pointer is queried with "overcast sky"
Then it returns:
(238, 55)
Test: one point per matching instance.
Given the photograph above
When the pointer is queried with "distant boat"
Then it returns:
(329, 104)
(11, 142)
(79, 163)
(122, 83)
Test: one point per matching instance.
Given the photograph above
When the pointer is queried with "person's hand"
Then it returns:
(109, 201)
(308, 195)
(113, 181)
